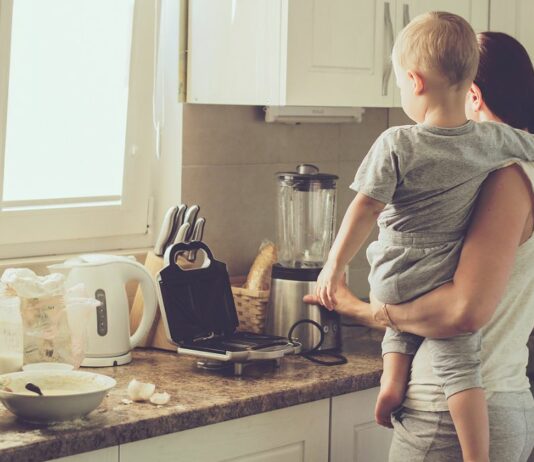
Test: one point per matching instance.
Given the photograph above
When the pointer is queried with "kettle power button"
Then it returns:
(101, 313)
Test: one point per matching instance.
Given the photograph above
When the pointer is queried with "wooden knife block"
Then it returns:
(156, 337)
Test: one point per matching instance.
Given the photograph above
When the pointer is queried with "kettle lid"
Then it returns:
(92, 259)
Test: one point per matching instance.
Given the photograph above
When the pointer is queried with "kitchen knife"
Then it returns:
(198, 230)
(190, 217)
(180, 238)
(178, 220)
(165, 231)
(196, 235)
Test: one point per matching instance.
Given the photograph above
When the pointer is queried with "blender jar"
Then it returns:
(306, 216)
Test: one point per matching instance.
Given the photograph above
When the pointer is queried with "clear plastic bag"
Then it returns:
(54, 320)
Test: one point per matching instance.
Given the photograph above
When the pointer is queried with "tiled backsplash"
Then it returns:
(230, 157)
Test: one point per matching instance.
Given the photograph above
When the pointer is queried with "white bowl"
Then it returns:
(48, 367)
(67, 395)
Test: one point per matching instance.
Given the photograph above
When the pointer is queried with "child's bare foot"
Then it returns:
(390, 398)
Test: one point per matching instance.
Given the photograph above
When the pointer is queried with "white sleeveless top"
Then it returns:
(504, 353)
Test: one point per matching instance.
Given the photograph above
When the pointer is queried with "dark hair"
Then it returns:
(506, 79)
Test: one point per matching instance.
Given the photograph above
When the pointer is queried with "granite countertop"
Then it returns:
(198, 398)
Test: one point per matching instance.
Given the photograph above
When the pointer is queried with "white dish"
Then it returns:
(67, 395)
(48, 367)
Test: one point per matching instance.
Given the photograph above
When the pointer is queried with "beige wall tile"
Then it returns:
(398, 117)
(230, 135)
(230, 157)
(239, 203)
(356, 139)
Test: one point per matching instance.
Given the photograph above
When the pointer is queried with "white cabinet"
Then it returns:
(515, 18)
(338, 53)
(294, 434)
(302, 52)
(234, 52)
(101, 455)
(355, 436)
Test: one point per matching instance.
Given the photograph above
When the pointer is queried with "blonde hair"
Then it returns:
(440, 42)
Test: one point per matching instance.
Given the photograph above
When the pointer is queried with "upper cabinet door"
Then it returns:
(338, 52)
(515, 18)
(476, 12)
(303, 52)
(234, 52)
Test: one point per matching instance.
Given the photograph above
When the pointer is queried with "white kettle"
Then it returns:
(104, 276)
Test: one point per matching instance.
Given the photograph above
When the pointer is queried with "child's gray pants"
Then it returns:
(407, 265)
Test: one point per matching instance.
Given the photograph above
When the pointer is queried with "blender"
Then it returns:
(306, 224)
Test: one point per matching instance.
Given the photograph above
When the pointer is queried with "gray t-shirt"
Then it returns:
(429, 177)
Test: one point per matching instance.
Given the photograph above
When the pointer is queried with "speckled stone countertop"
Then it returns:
(198, 397)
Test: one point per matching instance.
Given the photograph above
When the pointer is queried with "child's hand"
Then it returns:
(327, 283)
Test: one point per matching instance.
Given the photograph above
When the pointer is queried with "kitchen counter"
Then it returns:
(198, 398)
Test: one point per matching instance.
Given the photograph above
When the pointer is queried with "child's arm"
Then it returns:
(356, 226)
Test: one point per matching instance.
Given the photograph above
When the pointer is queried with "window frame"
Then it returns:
(44, 231)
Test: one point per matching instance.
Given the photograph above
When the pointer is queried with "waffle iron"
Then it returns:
(200, 317)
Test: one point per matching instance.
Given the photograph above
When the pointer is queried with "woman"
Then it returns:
(496, 263)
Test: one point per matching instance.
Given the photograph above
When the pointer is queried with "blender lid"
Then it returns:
(307, 174)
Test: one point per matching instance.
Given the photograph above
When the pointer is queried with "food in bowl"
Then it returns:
(67, 395)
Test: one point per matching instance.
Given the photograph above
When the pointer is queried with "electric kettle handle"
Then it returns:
(138, 272)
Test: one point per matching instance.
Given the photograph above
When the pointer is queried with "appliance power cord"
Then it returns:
(312, 354)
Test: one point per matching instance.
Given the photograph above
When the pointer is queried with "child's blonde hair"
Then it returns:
(440, 42)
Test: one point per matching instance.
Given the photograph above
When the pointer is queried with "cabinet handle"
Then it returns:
(405, 15)
(388, 47)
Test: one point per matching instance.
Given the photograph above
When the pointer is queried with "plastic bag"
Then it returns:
(54, 320)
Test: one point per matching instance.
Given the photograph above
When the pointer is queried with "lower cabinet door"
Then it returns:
(355, 436)
(294, 434)
(101, 455)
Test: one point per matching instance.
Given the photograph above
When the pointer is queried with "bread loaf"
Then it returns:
(259, 276)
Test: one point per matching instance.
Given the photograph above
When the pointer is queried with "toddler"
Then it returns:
(420, 183)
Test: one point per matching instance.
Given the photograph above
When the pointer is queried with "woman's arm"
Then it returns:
(501, 221)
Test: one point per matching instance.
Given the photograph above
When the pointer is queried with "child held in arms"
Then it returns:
(420, 184)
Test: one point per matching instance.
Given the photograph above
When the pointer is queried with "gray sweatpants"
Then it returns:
(407, 265)
(430, 436)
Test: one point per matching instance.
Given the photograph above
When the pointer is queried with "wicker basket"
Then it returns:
(251, 306)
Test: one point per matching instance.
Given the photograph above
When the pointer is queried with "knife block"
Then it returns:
(156, 338)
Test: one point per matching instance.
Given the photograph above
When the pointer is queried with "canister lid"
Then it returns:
(305, 176)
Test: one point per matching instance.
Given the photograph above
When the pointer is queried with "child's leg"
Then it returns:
(393, 385)
(398, 350)
(456, 361)
(469, 413)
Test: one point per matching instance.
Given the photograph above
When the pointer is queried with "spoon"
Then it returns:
(33, 388)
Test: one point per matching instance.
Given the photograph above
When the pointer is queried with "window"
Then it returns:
(75, 119)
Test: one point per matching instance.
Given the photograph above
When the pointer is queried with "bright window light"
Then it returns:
(67, 99)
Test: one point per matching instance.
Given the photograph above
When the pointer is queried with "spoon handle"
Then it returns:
(33, 388)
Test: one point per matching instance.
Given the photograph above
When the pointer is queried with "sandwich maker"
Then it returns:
(200, 317)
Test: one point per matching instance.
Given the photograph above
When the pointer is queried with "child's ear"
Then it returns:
(474, 96)
(418, 84)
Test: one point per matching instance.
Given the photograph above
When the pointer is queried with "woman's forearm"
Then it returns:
(436, 314)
